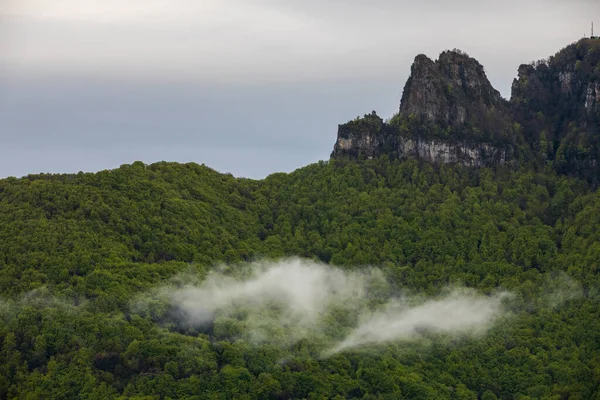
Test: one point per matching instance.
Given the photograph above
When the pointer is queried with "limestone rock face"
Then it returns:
(449, 113)
(425, 92)
(365, 137)
(440, 152)
(567, 83)
(449, 91)
(557, 102)
(592, 97)
(370, 137)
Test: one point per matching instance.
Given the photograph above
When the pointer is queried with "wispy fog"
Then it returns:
(285, 301)
(461, 311)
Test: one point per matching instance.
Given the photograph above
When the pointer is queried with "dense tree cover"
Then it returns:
(78, 251)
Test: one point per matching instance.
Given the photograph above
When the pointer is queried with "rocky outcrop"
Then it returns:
(440, 152)
(557, 101)
(450, 91)
(364, 137)
(370, 137)
(566, 85)
(592, 97)
(450, 113)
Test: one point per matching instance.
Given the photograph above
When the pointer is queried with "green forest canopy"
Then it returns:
(78, 250)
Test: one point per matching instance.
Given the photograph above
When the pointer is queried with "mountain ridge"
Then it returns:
(450, 113)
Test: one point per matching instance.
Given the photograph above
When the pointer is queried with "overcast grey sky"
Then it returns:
(249, 87)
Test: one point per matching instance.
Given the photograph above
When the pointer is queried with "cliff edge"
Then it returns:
(450, 113)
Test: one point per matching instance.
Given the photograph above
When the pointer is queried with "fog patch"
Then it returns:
(559, 290)
(287, 301)
(40, 298)
(277, 303)
(460, 312)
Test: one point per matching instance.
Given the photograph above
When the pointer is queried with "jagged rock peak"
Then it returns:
(449, 90)
(449, 113)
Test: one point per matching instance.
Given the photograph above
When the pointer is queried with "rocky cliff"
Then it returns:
(557, 101)
(450, 91)
(450, 113)
(370, 137)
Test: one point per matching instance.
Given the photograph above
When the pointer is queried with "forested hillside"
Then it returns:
(86, 260)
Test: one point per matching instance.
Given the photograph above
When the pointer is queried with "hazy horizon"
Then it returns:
(245, 87)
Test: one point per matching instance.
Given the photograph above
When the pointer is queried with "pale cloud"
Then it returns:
(285, 301)
(264, 41)
(132, 11)
(188, 40)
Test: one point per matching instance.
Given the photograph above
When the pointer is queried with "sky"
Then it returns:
(248, 87)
